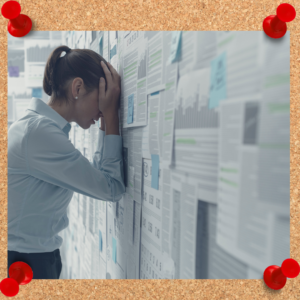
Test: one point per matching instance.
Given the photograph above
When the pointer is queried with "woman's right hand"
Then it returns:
(109, 99)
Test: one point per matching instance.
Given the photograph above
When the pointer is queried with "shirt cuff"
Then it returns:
(112, 146)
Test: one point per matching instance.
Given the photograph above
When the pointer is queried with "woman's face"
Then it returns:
(86, 107)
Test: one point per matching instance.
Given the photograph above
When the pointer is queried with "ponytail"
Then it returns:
(49, 82)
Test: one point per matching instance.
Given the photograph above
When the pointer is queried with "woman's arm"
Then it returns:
(51, 157)
(109, 99)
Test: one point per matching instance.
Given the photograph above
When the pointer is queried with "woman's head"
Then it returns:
(72, 81)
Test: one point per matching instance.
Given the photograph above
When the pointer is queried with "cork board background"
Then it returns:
(217, 15)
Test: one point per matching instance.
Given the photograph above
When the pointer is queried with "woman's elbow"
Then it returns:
(117, 191)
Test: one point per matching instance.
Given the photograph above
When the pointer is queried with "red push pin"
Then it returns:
(275, 26)
(19, 273)
(18, 25)
(275, 277)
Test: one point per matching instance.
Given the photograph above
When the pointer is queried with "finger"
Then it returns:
(107, 74)
(113, 71)
(102, 88)
(111, 68)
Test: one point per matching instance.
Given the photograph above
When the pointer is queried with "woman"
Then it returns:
(45, 169)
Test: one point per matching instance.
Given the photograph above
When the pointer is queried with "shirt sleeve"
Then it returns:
(53, 158)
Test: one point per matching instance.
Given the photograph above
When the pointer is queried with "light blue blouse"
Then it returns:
(45, 169)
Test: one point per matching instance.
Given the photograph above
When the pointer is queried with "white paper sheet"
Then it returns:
(244, 229)
(155, 62)
(132, 234)
(135, 81)
(196, 133)
(116, 230)
(197, 50)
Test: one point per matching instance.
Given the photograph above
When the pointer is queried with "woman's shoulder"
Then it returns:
(36, 125)
(40, 121)
(28, 129)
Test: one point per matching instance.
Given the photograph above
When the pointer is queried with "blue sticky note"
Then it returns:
(114, 250)
(130, 109)
(113, 51)
(37, 93)
(218, 81)
(155, 170)
(100, 241)
(175, 50)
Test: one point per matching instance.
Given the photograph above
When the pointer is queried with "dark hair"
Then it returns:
(59, 71)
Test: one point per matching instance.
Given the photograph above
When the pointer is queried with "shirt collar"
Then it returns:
(43, 109)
